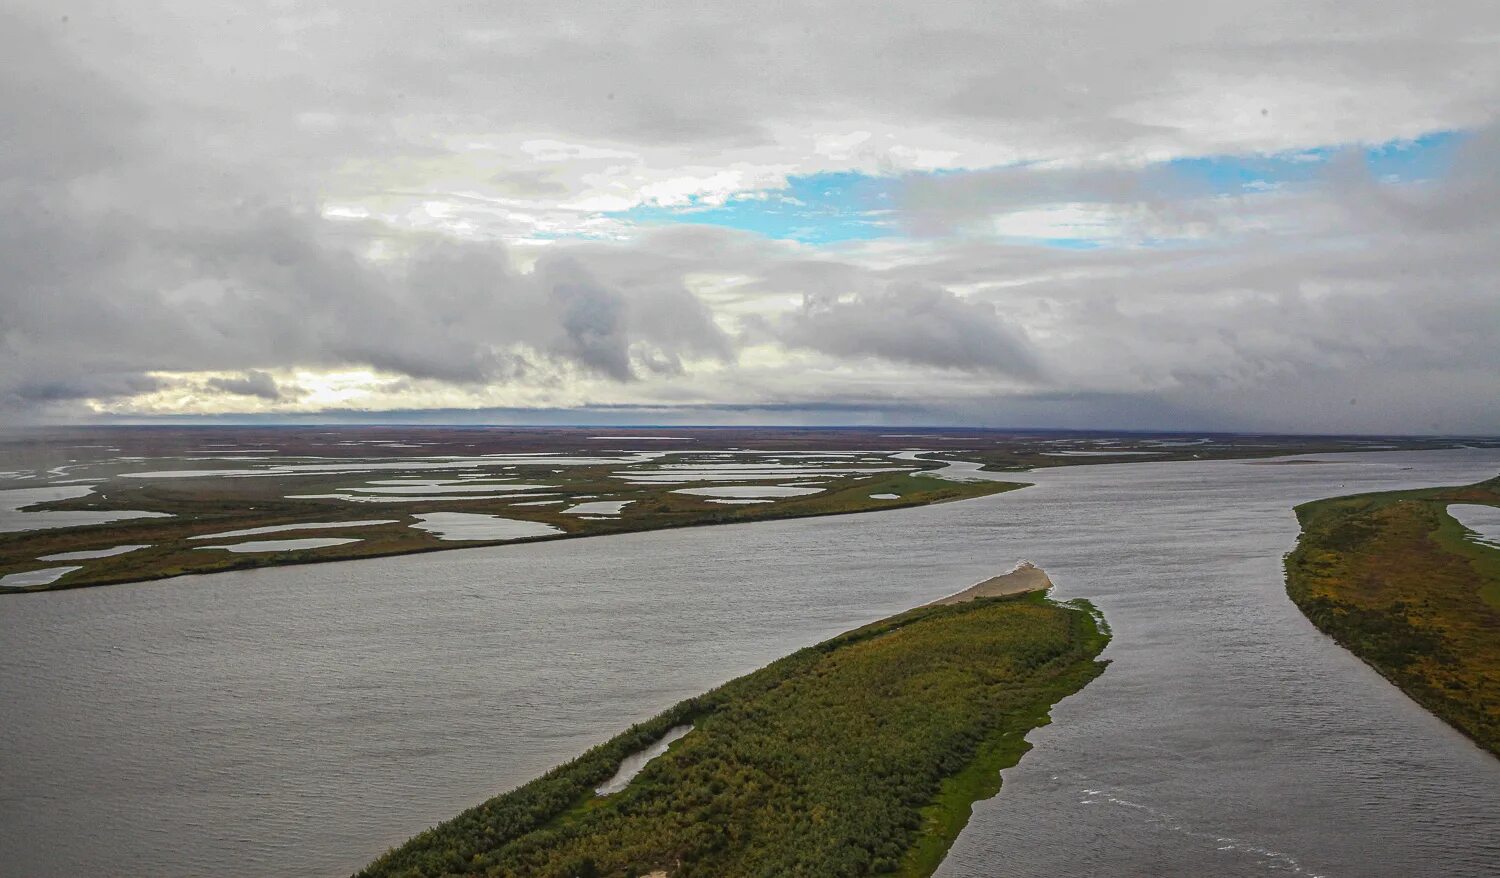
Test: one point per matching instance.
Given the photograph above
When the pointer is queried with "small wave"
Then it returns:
(1273, 860)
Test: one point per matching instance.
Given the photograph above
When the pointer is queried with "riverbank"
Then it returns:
(1396, 580)
(1025, 577)
(194, 509)
(861, 754)
(131, 504)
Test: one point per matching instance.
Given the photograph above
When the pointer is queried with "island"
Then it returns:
(861, 755)
(1394, 578)
(132, 518)
(106, 505)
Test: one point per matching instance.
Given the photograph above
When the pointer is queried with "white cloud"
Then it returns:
(402, 205)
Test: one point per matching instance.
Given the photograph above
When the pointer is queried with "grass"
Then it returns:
(1397, 581)
(861, 755)
(209, 505)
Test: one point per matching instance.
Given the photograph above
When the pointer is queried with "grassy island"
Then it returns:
(195, 507)
(861, 755)
(1396, 580)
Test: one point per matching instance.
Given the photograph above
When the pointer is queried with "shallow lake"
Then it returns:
(475, 526)
(1484, 521)
(748, 491)
(87, 554)
(279, 528)
(12, 501)
(283, 545)
(598, 507)
(35, 577)
(299, 720)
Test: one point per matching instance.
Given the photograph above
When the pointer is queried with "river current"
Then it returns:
(299, 720)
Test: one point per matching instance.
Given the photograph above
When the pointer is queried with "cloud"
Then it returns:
(395, 107)
(926, 326)
(214, 201)
(105, 289)
(251, 383)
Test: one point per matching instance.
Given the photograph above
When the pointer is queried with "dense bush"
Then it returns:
(826, 763)
(1394, 579)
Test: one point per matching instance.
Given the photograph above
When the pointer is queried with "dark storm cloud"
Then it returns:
(251, 383)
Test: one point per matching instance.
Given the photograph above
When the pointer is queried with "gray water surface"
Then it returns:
(299, 720)
(1484, 521)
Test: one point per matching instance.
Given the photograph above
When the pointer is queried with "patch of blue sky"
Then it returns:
(1408, 161)
(827, 208)
(1058, 243)
(814, 209)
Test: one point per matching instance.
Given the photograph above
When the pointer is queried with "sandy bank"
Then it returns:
(1025, 577)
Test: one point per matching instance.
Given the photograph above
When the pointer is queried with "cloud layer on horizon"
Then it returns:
(384, 208)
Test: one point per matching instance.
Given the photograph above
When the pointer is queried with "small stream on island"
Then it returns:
(299, 720)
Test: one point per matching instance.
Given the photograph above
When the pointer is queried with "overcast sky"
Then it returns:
(1152, 215)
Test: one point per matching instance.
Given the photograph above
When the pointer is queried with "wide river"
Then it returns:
(297, 721)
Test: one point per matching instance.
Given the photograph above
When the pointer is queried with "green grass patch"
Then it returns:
(1397, 581)
(861, 755)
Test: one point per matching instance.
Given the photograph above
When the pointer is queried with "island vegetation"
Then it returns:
(1397, 581)
(233, 479)
(861, 755)
(193, 508)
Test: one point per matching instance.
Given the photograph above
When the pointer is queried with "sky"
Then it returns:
(1174, 215)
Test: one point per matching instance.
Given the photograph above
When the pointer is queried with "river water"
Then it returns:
(298, 720)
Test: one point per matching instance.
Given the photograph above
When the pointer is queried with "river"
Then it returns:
(298, 720)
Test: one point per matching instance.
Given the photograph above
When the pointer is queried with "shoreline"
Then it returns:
(250, 561)
(937, 701)
(1392, 578)
(1023, 578)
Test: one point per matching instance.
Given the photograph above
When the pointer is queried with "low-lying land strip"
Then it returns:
(1396, 580)
(860, 755)
(97, 506)
(1025, 577)
(317, 506)
(1131, 448)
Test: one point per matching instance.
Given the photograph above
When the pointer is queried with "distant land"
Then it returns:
(89, 506)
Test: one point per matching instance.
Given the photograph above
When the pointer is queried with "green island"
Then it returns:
(860, 755)
(1398, 581)
(195, 508)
